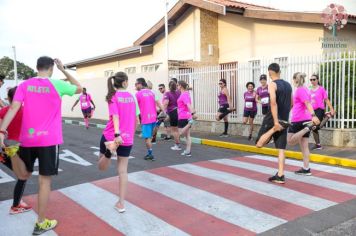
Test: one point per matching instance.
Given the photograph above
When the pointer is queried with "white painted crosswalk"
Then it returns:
(218, 197)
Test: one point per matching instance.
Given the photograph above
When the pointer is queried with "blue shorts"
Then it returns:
(147, 130)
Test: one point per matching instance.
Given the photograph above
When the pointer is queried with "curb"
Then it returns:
(339, 161)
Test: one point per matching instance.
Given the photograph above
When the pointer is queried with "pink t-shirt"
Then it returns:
(183, 110)
(42, 121)
(146, 100)
(85, 101)
(125, 106)
(299, 110)
(318, 97)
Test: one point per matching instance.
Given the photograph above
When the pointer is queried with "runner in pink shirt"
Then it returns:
(85, 100)
(303, 119)
(41, 130)
(147, 102)
(118, 136)
(186, 116)
(319, 96)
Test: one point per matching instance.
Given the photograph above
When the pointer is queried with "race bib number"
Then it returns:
(84, 104)
(249, 104)
(265, 100)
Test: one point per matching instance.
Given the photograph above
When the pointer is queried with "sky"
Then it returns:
(75, 30)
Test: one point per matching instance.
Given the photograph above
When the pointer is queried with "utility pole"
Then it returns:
(15, 65)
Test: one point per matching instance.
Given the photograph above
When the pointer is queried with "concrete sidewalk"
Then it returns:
(328, 155)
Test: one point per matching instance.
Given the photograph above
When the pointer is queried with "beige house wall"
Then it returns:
(96, 70)
(243, 39)
(345, 36)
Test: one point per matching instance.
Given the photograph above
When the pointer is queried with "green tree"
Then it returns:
(7, 69)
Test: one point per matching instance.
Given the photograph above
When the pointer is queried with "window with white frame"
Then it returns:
(283, 64)
(150, 68)
(108, 73)
(130, 70)
(255, 66)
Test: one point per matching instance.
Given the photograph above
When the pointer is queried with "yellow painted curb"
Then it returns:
(274, 152)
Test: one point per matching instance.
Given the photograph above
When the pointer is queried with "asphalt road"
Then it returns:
(78, 165)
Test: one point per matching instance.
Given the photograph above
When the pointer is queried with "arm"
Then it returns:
(327, 101)
(14, 108)
(165, 104)
(226, 92)
(311, 110)
(76, 102)
(69, 77)
(273, 103)
(92, 103)
(158, 104)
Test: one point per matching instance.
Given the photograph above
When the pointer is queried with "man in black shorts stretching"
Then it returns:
(276, 120)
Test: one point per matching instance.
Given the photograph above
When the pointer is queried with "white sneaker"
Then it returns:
(176, 148)
(185, 153)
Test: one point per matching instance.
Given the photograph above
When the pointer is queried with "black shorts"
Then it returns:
(264, 110)
(320, 113)
(279, 138)
(251, 114)
(298, 126)
(86, 112)
(182, 123)
(122, 151)
(173, 118)
(223, 108)
(48, 159)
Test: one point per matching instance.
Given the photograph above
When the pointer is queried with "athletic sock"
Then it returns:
(18, 192)
(149, 151)
(226, 127)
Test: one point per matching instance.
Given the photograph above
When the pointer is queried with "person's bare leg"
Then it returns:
(251, 125)
(104, 162)
(188, 141)
(265, 138)
(19, 168)
(304, 146)
(217, 117)
(123, 179)
(294, 139)
(43, 195)
(185, 129)
(281, 162)
(175, 134)
(244, 120)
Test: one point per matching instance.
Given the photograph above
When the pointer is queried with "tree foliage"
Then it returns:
(7, 69)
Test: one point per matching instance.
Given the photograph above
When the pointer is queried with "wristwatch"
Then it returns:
(4, 132)
(117, 135)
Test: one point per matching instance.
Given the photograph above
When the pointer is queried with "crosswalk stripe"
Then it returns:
(326, 168)
(135, 221)
(306, 188)
(176, 213)
(329, 184)
(224, 209)
(317, 173)
(21, 224)
(228, 175)
(270, 205)
(73, 219)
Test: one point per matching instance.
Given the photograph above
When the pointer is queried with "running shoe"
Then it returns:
(149, 157)
(45, 226)
(317, 147)
(284, 124)
(176, 148)
(120, 210)
(249, 137)
(167, 138)
(162, 116)
(303, 171)
(223, 135)
(277, 179)
(185, 153)
(11, 151)
(309, 125)
(21, 208)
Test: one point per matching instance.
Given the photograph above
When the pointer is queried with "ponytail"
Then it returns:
(115, 82)
(111, 89)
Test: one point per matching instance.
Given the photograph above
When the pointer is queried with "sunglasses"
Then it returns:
(220, 83)
(312, 79)
(160, 88)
